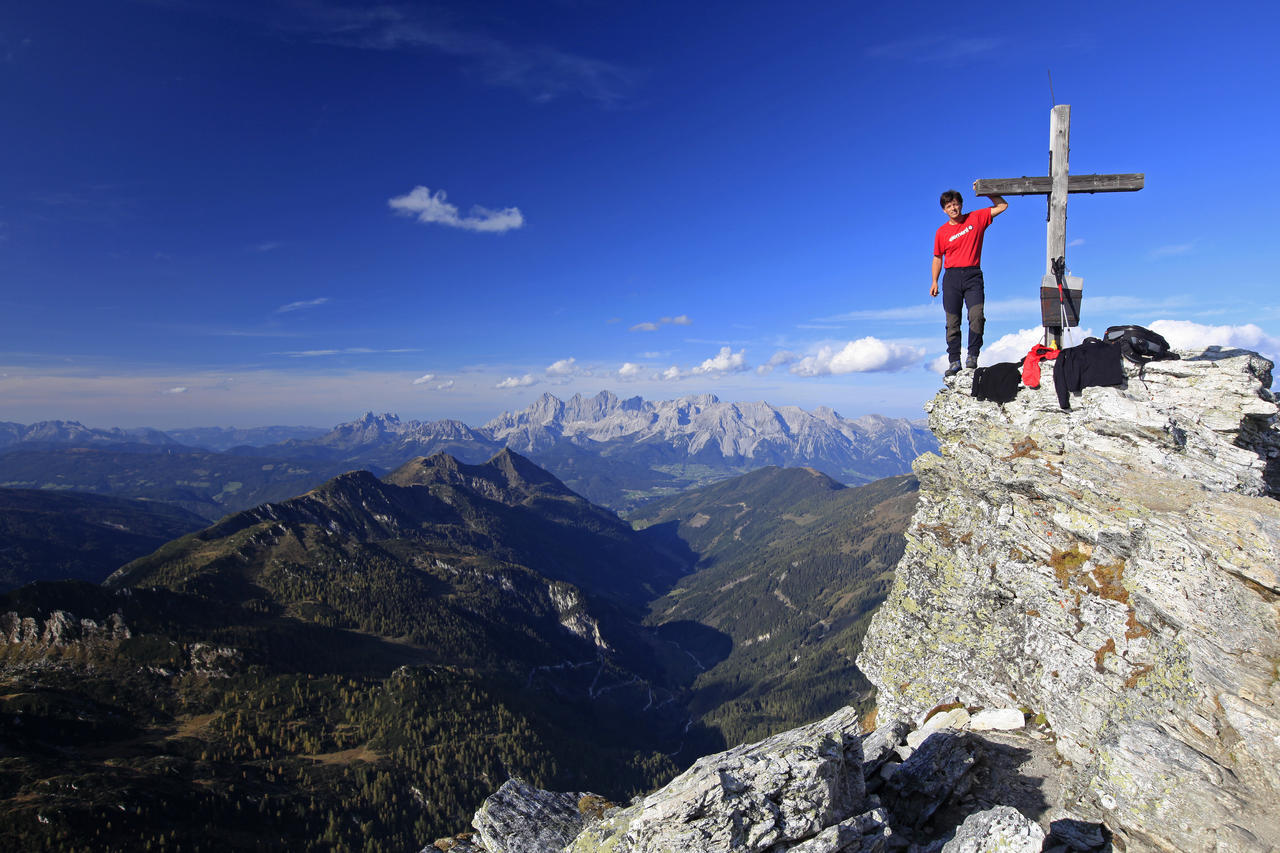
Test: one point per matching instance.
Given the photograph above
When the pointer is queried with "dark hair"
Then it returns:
(950, 196)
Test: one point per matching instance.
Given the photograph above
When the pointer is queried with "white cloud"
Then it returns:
(424, 379)
(563, 367)
(629, 370)
(681, 320)
(725, 361)
(432, 208)
(671, 374)
(864, 355)
(181, 389)
(777, 360)
(445, 386)
(1186, 335)
(268, 246)
(306, 303)
(315, 353)
(516, 382)
(1079, 241)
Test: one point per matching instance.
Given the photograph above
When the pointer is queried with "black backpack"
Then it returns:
(1139, 344)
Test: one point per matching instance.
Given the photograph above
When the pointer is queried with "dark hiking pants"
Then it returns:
(962, 286)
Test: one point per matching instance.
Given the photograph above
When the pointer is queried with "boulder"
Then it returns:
(1002, 829)
(519, 818)
(758, 797)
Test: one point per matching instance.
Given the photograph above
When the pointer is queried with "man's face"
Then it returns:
(952, 209)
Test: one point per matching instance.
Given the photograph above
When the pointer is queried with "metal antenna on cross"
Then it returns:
(1059, 299)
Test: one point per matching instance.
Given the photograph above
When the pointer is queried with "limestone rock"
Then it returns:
(996, 719)
(999, 830)
(784, 789)
(519, 818)
(956, 718)
(866, 833)
(1112, 568)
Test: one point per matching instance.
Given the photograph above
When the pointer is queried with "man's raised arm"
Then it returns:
(998, 205)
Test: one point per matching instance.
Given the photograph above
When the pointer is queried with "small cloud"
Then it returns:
(563, 367)
(865, 355)
(629, 370)
(777, 360)
(181, 389)
(681, 320)
(268, 246)
(445, 386)
(725, 361)
(934, 48)
(1171, 251)
(516, 382)
(671, 374)
(1079, 241)
(298, 306)
(432, 208)
(316, 353)
(424, 379)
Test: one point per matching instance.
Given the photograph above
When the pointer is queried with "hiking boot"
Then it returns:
(971, 362)
(953, 369)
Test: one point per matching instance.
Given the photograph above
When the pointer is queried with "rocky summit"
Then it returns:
(1080, 651)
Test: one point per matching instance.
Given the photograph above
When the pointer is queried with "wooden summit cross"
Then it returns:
(1056, 186)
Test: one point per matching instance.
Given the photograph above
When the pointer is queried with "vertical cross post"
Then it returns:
(1056, 233)
(1059, 148)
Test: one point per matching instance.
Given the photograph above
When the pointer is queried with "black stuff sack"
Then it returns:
(1139, 344)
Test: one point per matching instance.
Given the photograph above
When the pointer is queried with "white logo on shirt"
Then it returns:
(959, 234)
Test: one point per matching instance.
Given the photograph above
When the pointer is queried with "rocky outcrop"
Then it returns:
(1113, 569)
(1080, 651)
(59, 630)
(823, 788)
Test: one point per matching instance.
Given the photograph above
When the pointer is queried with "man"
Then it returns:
(957, 246)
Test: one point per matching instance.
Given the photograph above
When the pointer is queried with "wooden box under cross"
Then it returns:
(1052, 307)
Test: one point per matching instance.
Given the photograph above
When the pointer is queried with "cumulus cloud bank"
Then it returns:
(1184, 334)
(864, 355)
(432, 208)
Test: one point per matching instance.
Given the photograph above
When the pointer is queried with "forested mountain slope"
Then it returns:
(791, 565)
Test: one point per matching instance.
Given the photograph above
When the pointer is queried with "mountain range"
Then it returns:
(621, 452)
(616, 452)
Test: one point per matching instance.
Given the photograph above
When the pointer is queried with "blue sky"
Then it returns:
(294, 212)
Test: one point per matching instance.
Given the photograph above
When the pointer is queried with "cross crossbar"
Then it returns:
(1056, 186)
(1126, 183)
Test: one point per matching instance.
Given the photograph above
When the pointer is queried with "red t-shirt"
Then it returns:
(960, 244)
